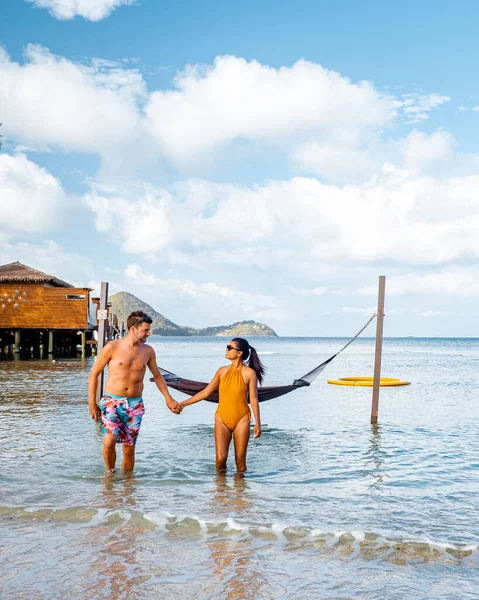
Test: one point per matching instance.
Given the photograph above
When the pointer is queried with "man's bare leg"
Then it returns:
(222, 444)
(128, 462)
(109, 451)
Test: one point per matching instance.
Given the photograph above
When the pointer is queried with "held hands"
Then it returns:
(174, 406)
(257, 430)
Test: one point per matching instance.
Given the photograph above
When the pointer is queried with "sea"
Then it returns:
(331, 507)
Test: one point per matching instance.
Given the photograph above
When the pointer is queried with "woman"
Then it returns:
(233, 416)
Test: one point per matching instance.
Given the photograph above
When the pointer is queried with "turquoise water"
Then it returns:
(331, 507)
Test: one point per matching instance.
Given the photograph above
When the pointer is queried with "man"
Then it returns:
(121, 409)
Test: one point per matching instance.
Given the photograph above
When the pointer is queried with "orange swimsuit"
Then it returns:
(232, 405)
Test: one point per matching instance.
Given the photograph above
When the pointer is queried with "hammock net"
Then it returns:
(190, 387)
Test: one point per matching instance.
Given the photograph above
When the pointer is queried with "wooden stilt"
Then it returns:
(83, 343)
(379, 347)
(102, 318)
(50, 341)
(17, 342)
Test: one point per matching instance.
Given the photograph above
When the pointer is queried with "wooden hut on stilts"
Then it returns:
(42, 315)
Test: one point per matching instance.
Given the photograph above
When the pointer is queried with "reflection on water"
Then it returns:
(374, 460)
(236, 566)
(115, 564)
(227, 498)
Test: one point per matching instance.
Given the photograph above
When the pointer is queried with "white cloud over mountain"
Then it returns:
(93, 10)
(361, 191)
(217, 297)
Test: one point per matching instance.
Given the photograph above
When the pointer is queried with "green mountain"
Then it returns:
(124, 303)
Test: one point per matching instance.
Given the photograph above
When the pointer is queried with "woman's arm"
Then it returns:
(253, 400)
(209, 389)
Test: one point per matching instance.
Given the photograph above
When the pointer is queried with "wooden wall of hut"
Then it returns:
(41, 315)
(38, 306)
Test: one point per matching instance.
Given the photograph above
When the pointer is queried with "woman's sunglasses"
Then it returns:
(229, 347)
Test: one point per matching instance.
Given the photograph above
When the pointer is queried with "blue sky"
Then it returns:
(259, 160)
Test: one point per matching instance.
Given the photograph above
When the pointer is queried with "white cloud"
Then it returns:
(50, 100)
(359, 310)
(475, 108)
(416, 107)
(93, 10)
(239, 100)
(460, 281)
(401, 217)
(336, 162)
(31, 199)
(316, 291)
(213, 298)
(50, 257)
(326, 124)
(419, 149)
(358, 162)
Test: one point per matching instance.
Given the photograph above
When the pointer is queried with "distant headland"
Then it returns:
(123, 303)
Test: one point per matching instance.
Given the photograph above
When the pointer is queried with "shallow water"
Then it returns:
(331, 507)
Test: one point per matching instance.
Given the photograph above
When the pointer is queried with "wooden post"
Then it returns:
(17, 342)
(379, 348)
(102, 307)
(83, 342)
(50, 341)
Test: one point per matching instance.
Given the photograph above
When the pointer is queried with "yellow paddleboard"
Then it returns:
(368, 381)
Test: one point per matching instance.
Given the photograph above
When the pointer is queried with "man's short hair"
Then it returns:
(137, 318)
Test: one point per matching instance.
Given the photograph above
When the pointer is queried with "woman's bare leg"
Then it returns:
(241, 439)
(222, 443)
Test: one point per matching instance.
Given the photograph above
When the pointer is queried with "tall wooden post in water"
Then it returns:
(101, 317)
(379, 349)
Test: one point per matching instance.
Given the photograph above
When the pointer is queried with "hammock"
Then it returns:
(190, 387)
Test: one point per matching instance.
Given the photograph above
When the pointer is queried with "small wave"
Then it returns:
(345, 544)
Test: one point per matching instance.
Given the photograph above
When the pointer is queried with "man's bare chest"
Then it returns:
(129, 361)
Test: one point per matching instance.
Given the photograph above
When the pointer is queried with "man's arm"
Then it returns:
(102, 360)
(171, 403)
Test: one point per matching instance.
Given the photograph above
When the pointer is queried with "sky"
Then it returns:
(256, 160)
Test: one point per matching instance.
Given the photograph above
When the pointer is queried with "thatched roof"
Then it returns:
(17, 273)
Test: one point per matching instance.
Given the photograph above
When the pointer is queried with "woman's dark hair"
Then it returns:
(137, 318)
(251, 358)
